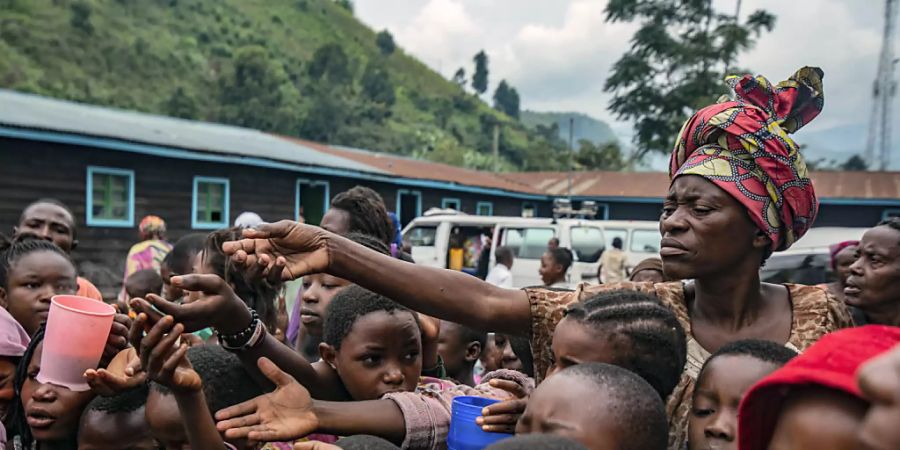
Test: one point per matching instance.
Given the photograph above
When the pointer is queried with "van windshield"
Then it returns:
(421, 236)
(527, 243)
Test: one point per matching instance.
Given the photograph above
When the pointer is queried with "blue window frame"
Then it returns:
(888, 213)
(211, 200)
(314, 198)
(484, 209)
(413, 205)
(451, 203)
(109, 197)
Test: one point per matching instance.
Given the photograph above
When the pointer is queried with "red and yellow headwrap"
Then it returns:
(743, 147)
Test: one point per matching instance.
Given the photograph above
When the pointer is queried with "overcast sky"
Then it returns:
(558, 53)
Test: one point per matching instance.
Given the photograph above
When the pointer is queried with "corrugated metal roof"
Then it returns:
(43, 113)
(424, 170)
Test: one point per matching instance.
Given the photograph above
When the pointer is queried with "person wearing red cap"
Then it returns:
(814, 402)
(879, 382)
(874, 282)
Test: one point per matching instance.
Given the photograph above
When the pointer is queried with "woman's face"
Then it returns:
(843, 260)
(7, 376)
(705, 230)
(32, 281)
(52, 411)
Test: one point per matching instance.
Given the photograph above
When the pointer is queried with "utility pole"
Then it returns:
(496, 147)
(878, 144)
(571, 153)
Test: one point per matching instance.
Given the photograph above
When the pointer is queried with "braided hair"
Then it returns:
(18, 421)
(655, 341)
(367, 213)
(257, 292)
(23, 244)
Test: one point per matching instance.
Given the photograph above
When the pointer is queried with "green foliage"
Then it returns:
(297, 67)
(855, 163)
(676, 62)
(346, 4)
(604, 157)
(586, 127)
(459, 78)
(506, 100)
(480, 77)
(385, 42)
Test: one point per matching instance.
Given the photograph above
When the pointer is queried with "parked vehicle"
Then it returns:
(808, 261)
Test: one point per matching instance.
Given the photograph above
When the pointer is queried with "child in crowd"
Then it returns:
(724, 379)
(143, 282)
(32, 271)
(180, 261)
(13, 342)
(814, 402)
(599, 405)
(45, 416)
(638, 332)
(117, 422)
(554, 265)
(459, 347)
(187, 384)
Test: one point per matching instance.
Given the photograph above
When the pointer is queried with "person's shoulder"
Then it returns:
(816, 312)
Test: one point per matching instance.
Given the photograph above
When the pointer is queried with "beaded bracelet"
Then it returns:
(240, 339)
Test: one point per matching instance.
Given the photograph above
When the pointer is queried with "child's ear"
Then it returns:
(473, 351)
(328, 354)
(4, 302)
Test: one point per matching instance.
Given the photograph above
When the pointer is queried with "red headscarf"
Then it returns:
(743, 147)
(832, 363)
(836, 248)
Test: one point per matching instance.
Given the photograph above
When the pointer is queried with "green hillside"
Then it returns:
(586, 127)
(304, 68)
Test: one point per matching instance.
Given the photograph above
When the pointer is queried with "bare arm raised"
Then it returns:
(445, 294)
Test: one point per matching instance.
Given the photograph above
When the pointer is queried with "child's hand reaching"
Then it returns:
(117, 340)
(282, 415)
(123, 373)
(164, 357)
(502, 417)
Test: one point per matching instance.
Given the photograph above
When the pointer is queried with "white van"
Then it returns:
(429, 239)
(640, 238)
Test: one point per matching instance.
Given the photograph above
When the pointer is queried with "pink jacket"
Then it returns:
(426, 411)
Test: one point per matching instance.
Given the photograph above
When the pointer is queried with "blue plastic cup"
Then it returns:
(465, 434)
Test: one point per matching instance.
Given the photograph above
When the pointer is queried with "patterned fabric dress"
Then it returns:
(815, 313)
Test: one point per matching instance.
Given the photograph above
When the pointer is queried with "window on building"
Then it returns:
(110, 197)
(484, 209)
(529, 209)
(211, 201)
(587, 243)
(890, 213)
(451, 203)
(409, 205)
(312, 200)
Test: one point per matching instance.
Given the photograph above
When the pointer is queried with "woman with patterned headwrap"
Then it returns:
(149, 253)
(739, 191)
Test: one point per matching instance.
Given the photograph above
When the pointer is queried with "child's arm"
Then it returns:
(222, 309)
(167, 364)
(431, 329)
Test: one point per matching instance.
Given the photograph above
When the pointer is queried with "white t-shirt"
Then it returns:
(500, 276)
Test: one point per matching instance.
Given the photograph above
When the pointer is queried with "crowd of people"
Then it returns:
(687, 351)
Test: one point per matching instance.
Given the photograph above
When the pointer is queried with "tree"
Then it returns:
(460, 78)
(480, 78)
(330, 64)
(182, 104)
(256, 93)
(385, 42)
(506, 99)
(855, 163)
(81, 16)
(377, 85)
(346, 4)
(605, 157)
(676, 62)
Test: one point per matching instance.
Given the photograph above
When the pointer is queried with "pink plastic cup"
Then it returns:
(76, 334)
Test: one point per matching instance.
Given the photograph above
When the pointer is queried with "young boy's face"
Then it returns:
(165, 421)
(52, 411)
(572, 407)
(126, 430)
(318, 291)
(720, 388)
(576, 343)
(380, 354)
(454, 351)
(820, 419)
(551, 271)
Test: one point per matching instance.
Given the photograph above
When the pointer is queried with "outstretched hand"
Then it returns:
(117, 339)
(502, 417)
(219, 308)
(164, 357)
(295, 248)
(123, 373)
(282, 415)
